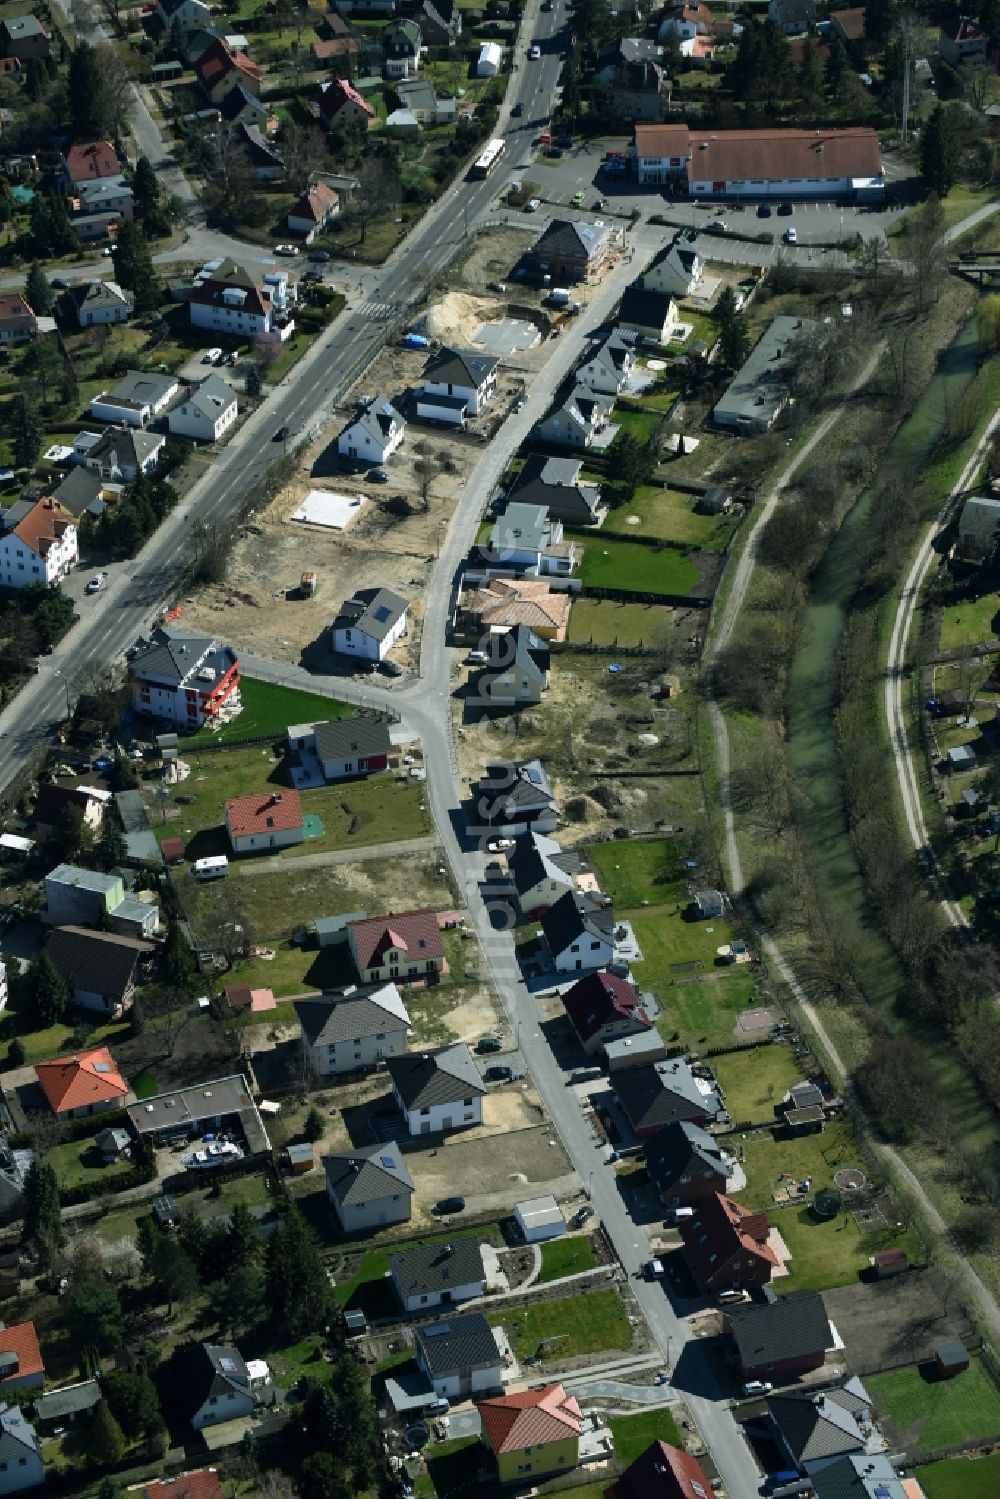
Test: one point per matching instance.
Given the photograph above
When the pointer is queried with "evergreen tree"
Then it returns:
(314, 1127)
(145, 188)
(93, 1314)
(734, 330)
(105, 1441)
(26, 431)
(358, 1437)
(809, 79)
(175, 1273)
(252, 382)
(16, 1054)
(107, 1489)
(48, 989)
(42, 1216)
(133, 1400)
(837, 67)
(321, 1476)
(880, 17)
(134, 266)
(37, 290)
(36, 80)
(86, 101)
(939, 152)
(178, 963)
(297, 1291)
(70, 834)
(242, 1239)
(112, 848)
(6, 200)
(237, 1302)
(49, 226)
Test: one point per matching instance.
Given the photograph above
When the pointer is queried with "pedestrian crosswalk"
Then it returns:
(376, 311)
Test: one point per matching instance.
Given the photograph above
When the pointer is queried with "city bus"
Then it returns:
(487, 158)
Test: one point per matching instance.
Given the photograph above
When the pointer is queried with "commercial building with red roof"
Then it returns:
(727, 1246)
(265, 820)
(532, 1432)
(202, 1484)
(21, 1366)
(772, 163)
(38, 543)
(662, 1472)
(603, 1007)
(84, 1084)
(89, 161)
(407, 946)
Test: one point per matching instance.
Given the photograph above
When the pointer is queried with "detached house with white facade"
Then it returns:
(369, 624)
(229, 298)
(97, 302)
(396, 947)
(218, 1386)
(375, 433)
(136, 399)
(207, 413)
(310, 215)
(353, 1030)
(438, 1091)
(369, 1187)
(576, 421)
(609, 368)
(120, 452)
(21, 1463)
(676, 271)
(457, 384)
(38, 543)
(436, 1274)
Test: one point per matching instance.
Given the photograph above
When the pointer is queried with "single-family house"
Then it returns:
(318, 205)
(100, 969)
(792, 17)
(513, 798)
(103, 195)
(341, 49)
(374, 434)
(503, 603)
(24, 37)
(21, 1363)
(369, 624)
(369, 1187)
(83, 492)
(780, 1336)
(437, 1091)
(861, 1476)
(456, 384)
(848, 25)
(814, 1428)
(189, 680)
(576, 420)
(83, 1084)
(532, 1433)
(677, 270)
(396, 947)
(525, 538)
(440, 22)
(490, 60)
(963, 42)
(727, 1246)
(686, 1164)
(661, 1093)
(136, 399)
(608, 369)
(436, 1274)
(186, 14)
(74, 896)
(240, 106)
(353, 1030)
(403, 124)
(622, 53)
(340, 100)
(579, 934)
(218, 1385)
(206, 413)
(402, 48)
(263, 157)
(265, 820)
(662, 1472)
(214, 1104)
(71, 1405)
(18, 324)
(758, 393)
(538, 880)
(419, 97)
(125, 453)
(649, 313)
(516, 673)
(229, 298)
(113, 1143)
(573, 250)
(460, 1357)
(556, 484)
(604, 1007)
(637, 84)
(38, 543)
(220, 68)
(96, 302)
(344, 747)
(978, 529)
(21, 1463)
(14, 1168)
(204, 1483)
(52, 799)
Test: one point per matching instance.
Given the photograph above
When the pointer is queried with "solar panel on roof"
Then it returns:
(438, 1331)
(228, 1365)
(101, 1067)
(382, 614)
(881, 1492)
(534, 776)
(388, 1160)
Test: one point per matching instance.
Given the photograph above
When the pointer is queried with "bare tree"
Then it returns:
(84, 16)
(119, 66)
(378, 191)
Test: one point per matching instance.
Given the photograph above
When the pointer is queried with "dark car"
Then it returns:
(319, 257)
(517, 111)
(785, 210)
(489, 1043)
(553, 151)
(60, 283)
(281, 434)
(390, 668)
(498, 1074)
(564, 142)
(763, 210)
(450, 1205)
(377, 476)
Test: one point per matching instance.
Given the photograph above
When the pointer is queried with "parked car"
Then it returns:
(449, 1205)
(499, 845)
(534, 52)
(377, 476)
(281, 434)
(97, 582)
(763, 210)
(320, 257)
(720, 226)
(564, 142)
(476, 658)
(60, 283)
(393, 669)
(577, 198)
(211, 355)
(517, 111)
(499, 1074)
(757, 1387)
(533, 205)
(785, 210)
(791, 237)
(489, 1043)
(653, 1269)
(581, 1215)
(286, 249)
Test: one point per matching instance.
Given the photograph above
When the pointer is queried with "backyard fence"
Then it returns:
(630, 596)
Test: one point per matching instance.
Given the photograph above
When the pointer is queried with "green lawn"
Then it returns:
(611, 622)
(633, 1434)
(703, 1010)
(270, 710)
(635, 870)
(931, 1413)
(670, 942)
(969, 622)
(669, 515)
(566, 1257)
(766, 1159)
(755, 1080)
(641, 425)
(56, 1040)
(636, 569)
(958, 1478)
(568, 1327)
(79, 1161)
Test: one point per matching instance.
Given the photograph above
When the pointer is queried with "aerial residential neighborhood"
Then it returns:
(499, 792)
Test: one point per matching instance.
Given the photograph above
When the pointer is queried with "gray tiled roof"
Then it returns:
(97, 962)
(460, 367)
(570, 918)
(142, 387)
(347, 738)
(324, 1022)
(358, 1176)
(683, 1147)
(858, 1477)
(664, 1092)
(372, 611)
(172, 657)
(456, 1346)
(70, 1401)
(437, 1266)
(822, 1423)
(425, 1079)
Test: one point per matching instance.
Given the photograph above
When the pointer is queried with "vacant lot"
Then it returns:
(756, 1080)
(501, 1165)
(931, 1412)
(884, 1322)
(669, 515)
(703, 1010)
(270, 710)
(567, 1327)
(607, 563)
(960, 1477)
(635, 871)
(609, 622)
(633, 1434)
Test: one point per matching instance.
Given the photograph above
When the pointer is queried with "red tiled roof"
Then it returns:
(74, 1082)
(14, 305)
(599, 998)
(851, 23)
(722, 1229)
(338, 92)
(22, 1340)
(414, 932)
(264, 812)
(45, 523)
(201, 1485)
(92, 159)
(314, 203)
(172, 848)
(338, 46)
(219, 60)
(530, 1419)
(662, 1472)
(731, 155)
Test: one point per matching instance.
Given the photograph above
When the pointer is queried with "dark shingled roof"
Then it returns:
(351, 1017)
(685, 1149)
(456, 1346)
(366, 1174)
(425, 1079)
(788, 1327)
(438, 1267)
(99, 962)
(347, 738)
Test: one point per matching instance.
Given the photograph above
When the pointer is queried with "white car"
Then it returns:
(97, 582)
(499, 845)
(535, 52)
(286, 249)
(533, 205)
(211, 356)
(757, 1387)
(790, 237)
